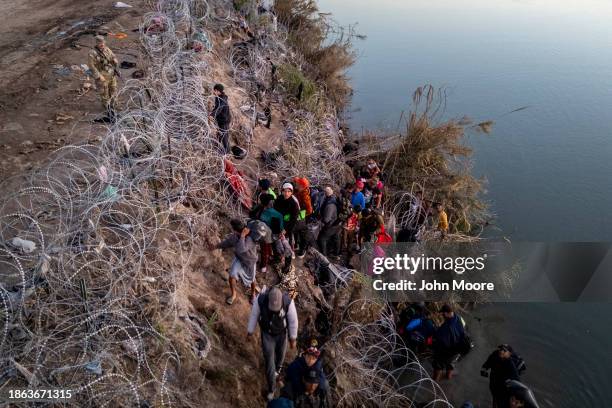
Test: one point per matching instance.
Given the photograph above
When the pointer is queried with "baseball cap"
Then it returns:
(275, 300)
(311, 377)
(99, 38)
(359, 184)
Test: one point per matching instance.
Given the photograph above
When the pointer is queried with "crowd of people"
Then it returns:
(448, 342)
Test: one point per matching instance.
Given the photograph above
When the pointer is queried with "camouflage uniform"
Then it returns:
(103, 64)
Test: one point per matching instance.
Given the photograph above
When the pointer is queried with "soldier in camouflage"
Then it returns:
(103, 65)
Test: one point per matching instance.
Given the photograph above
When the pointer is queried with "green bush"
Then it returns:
(292, 77)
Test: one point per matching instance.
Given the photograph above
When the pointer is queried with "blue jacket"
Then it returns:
(358, 198)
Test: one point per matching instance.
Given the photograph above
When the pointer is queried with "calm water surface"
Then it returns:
(549, 167)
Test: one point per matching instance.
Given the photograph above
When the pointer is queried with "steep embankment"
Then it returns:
(119, 298)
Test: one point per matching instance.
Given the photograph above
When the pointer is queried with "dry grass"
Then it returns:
(432, 157)
(326, 47)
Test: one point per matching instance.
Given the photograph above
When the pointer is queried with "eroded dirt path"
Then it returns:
(46, 98)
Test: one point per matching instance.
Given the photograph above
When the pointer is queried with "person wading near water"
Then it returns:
(103, 66)
(277, 318)
(447, 341)
(245, 258)
(502, 364)
(222, 116)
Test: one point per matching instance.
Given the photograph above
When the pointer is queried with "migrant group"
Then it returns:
(292, 216)
(449, 342)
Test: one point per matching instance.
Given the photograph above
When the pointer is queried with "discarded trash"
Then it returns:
(149, 279)
(60, 118)
(139, 73)
(156, 26)
(23, 245)
(62, 70)
(127, 65)
(119, 36)
(201, 42)
(121, 4)
(110, 193)
(103, 174)
(94, 367)
(239, 152)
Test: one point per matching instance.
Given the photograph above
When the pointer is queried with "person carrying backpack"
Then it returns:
(330, 229)
(277, 317)
(447, 342)
(503, 365)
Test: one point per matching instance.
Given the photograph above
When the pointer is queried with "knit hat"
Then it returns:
(313, 351)
(287, 186)
(264, 184)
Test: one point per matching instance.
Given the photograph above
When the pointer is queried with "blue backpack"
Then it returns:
(280, 403)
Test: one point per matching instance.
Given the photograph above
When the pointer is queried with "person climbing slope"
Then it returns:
(222, 116)
(289, 207)
(277, 317)
(245, 258)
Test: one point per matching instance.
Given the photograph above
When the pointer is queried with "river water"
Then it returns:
(548, 165)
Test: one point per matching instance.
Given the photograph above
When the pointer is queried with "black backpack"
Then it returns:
(269, 322)
(519, 363)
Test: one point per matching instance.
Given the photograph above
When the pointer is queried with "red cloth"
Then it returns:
(238, 184)
(383, 237)
(266, 254)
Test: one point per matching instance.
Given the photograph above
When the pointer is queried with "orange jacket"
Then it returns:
(302, 186)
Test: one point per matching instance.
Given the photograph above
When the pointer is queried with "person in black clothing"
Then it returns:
(221, 114)
(268, 115)
(289, 207)
(330, 228)
(273, 76)
(502, 367)
(446, 343)
(305, 376)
